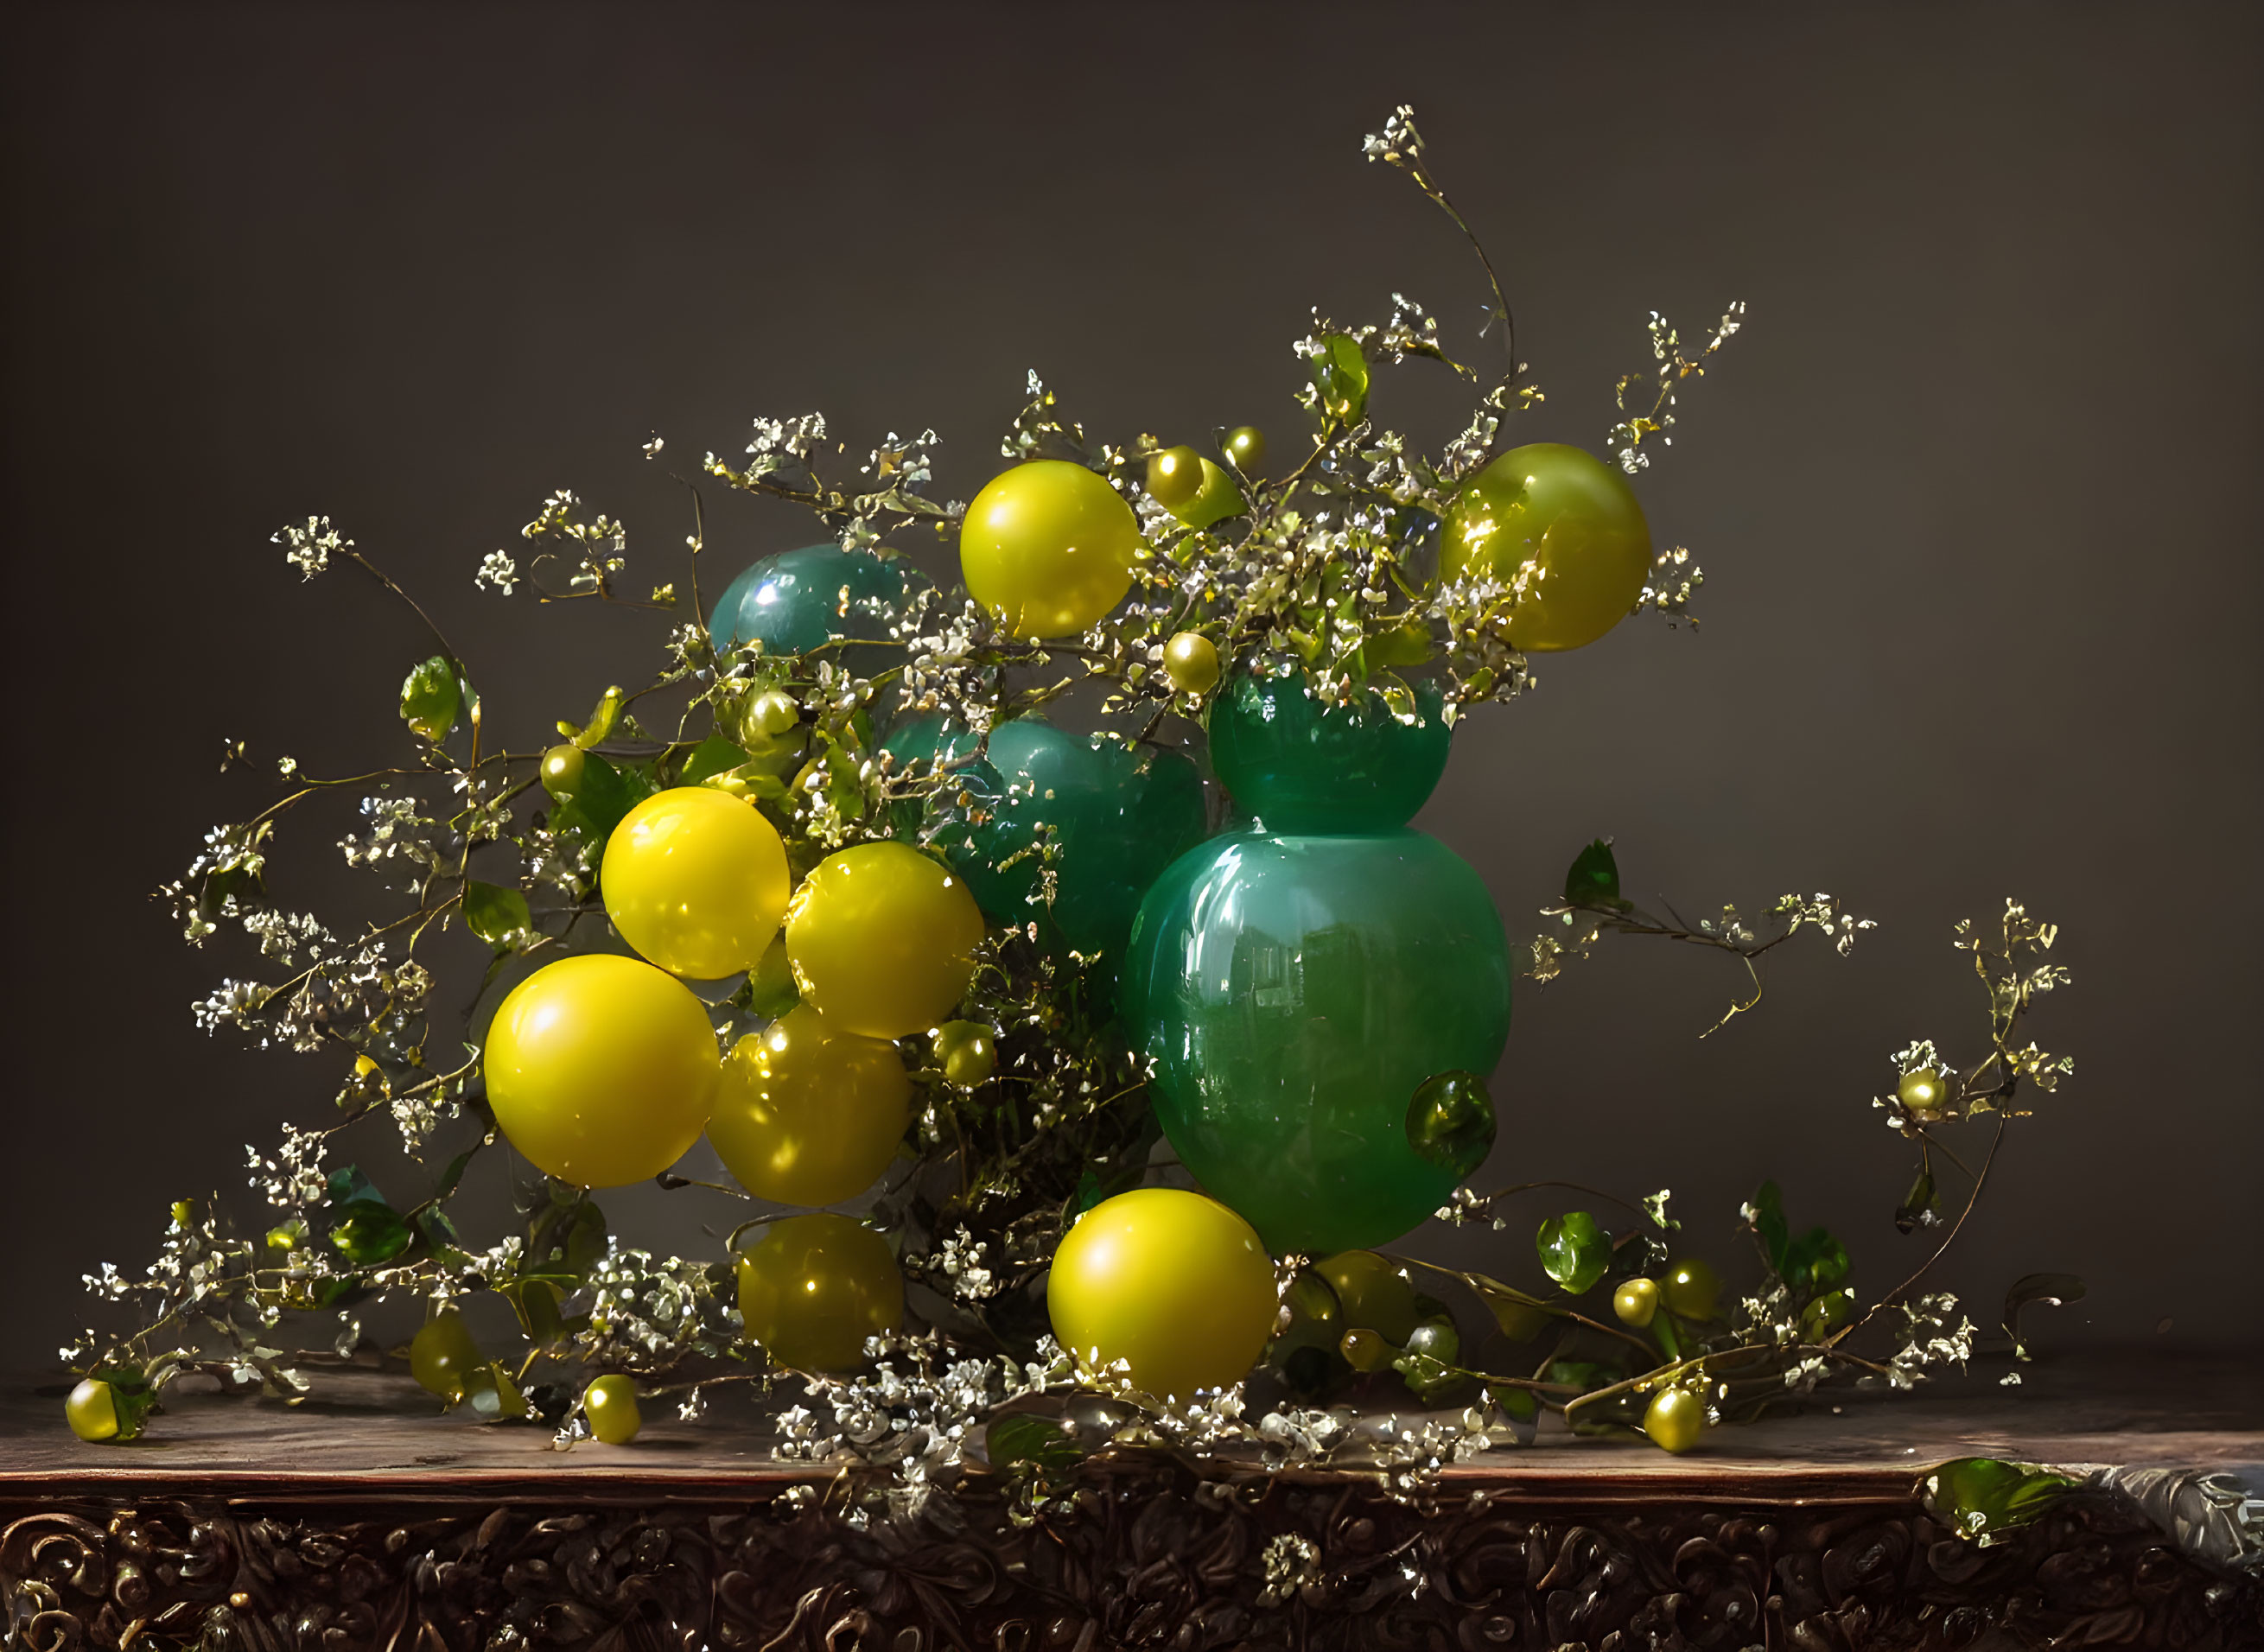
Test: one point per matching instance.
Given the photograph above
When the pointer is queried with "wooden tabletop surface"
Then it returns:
(369, 1434)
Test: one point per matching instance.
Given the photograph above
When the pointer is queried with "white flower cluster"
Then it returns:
(497, 572)
(294, 1180)
(308, 548)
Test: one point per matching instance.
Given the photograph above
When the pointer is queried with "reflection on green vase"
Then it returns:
(1293, 993)
(1114, 814)
(1299, 766)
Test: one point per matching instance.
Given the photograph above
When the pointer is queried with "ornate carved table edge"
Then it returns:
(1142, 1551)
(1613, 1551)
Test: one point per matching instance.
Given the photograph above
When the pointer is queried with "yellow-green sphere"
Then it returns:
(968, 1052)
(1048, 547)
(1574, 520)
(808, 1113)
(91, 1410)
(1674, 1420)
(601, 1070)
(1246, 445)
(1175, 1285)
(696, 881)
(1924, 1091)
(882, 939)
(813, 1288)
(1191, 661)
(611, 1404)
(1375, 1295)
(1636, 1302)
(561, 771)
(1691, 1289)
(1175, 476)
(442, 1355)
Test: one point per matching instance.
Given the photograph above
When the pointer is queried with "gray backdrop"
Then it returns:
(1973, 493)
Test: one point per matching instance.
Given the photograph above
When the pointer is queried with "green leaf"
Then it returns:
(1340, 377)
(431, 697)
(1042, 1442)
(497, 915)
(1768, 1223)
(1574, 1251)
(1593, 878)
(713, 756)
(369, 1231)
(2053, 1290)
(1921, 1205)
(1519, 1404)
(346, 1183)
(1521, 1315)
(1984, 1498)
(132, 1396)
(603, 719)
(604, 793)
(535, 1300)
(1815, 1262)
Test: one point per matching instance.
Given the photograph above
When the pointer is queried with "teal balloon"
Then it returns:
(1299, 766)
(1293, 993)
(791, 603)
(1119, 813)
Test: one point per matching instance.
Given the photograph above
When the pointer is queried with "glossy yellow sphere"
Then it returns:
(1575, 519)
(1636, 1302)
(1674, 1420)
(1691, 1289)
(1191, 661)
(1246, 445)
(1924, 1091)
(611, 1404)
(442, 1355)
(1047, 548)
(1174, 476)
(883, 940)
(696, 881)
(812, 1288)
(601, 1070)
(91, 1410)
(809, 1114)
(1175, 1285)
(1373, 1294)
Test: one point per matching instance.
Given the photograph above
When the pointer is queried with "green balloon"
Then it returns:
(1294, 993)
(1119, 815)
(1299, 766)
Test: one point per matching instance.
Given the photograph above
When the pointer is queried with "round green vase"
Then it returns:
(1293, 988)
(1300, 766)
(795, 602)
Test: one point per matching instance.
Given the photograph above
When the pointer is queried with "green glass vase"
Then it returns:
(1115, 815)
(1295, 989)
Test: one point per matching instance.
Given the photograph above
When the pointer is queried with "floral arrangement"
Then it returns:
(935, 956)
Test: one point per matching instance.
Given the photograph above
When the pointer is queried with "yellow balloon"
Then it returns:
(696, 881)
(1174, 1284)
(883, 940)
(809, 1114)
(812, 1288)
(601, 1070)
(1047, 548)
(1570, 515)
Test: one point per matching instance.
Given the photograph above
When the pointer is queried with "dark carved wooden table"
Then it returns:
(362, 1520)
